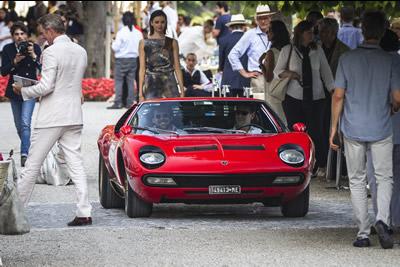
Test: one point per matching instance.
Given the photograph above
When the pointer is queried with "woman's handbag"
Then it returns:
(13, 219)
(277, 88)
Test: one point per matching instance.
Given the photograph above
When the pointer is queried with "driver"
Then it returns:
(244, 114)
(162, 119)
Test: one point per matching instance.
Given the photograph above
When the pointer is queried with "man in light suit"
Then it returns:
(60, 113)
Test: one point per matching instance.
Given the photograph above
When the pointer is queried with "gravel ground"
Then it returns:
(178, 234)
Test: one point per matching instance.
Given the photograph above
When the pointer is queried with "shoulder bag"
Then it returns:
(277, 88)
(13, 219)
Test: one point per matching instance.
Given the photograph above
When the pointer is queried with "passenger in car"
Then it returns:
(244, 114)
(162, 120)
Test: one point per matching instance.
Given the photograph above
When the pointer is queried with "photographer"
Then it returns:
(21, 58)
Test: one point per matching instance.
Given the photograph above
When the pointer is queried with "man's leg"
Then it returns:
(355, 158)
(395, 204)
(71, 143)
(130, 80)
(382, 158)
(118, 81)
(42, 141)
(26, 118)
(371, 180)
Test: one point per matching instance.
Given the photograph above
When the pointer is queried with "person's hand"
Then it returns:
(253, 74)
(198, 87)
(294, 75)
(331, 138)
(141, 98)
(17, 88)
(31, 51)
(18, 58)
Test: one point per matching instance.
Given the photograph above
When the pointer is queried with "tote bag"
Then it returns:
(13, 219)
(278, 87)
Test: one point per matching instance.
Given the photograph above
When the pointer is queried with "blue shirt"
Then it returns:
(350, 35)
(220, 25)
(253, 43)
(368, 74)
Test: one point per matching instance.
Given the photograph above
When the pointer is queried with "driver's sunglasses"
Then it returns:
(242, 112)
(159, 116)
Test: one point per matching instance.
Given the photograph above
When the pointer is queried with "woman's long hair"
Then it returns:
(298, 32)
(158, 13)
(280, 33)
(127, 19)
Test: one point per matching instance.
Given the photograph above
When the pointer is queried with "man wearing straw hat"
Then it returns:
(232, 77)
(253, 43)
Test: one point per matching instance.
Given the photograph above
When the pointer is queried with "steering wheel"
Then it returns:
(255, 125)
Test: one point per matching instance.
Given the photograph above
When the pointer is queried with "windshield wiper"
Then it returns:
(154, 130)
(213, 130)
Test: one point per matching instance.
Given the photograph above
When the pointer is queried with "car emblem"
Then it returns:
(224, 163)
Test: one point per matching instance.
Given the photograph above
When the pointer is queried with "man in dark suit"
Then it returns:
(229, 76)
(22, 63)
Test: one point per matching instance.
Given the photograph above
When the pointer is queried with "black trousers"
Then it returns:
(313, 117)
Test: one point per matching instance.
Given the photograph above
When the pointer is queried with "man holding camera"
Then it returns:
(21, 58)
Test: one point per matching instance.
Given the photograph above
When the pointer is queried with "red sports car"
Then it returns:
(204, 150)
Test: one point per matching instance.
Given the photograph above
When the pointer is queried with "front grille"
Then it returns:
(243, 147)
(205, 180)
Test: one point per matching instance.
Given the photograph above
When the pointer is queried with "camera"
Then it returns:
(23, 48)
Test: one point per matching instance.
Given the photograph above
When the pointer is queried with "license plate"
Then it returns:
(224, 189)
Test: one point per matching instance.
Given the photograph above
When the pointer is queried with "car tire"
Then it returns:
(108, 198)
(297, 207)
(135, 206)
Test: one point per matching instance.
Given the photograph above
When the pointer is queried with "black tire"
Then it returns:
(297, 207)
(135, 206)
(108, 198)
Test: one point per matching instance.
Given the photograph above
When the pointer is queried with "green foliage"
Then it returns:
(301, 8)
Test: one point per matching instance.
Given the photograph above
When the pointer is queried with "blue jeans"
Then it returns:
(22, 111)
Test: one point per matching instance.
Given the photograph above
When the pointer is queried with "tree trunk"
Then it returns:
(286, 19)
(94, 25)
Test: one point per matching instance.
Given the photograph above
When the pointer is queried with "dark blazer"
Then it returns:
(338, 51)
(25, 68)
(229, 76)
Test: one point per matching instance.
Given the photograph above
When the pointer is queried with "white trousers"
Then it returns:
(70, 140)
(382, 154)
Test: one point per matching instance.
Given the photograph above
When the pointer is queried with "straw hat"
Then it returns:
(263, 11)
(236, 19)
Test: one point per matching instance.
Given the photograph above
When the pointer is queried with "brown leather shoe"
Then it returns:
(80, 221)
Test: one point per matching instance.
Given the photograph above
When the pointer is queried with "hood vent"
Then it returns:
(195, 148)
(243, 147)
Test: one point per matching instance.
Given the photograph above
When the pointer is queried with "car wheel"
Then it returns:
(135, 206)
(108, 198)
(297, 207)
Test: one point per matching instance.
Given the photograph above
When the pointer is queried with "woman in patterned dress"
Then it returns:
(159, 62)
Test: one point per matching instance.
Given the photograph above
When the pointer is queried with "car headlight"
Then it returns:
(292, 155)
(152, 157)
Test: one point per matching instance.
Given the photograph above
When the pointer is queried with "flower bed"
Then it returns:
(92, 89)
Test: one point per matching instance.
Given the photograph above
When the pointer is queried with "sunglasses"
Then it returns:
(159, 116)
(242, 112)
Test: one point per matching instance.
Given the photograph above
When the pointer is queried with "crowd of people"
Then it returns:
(333, 71)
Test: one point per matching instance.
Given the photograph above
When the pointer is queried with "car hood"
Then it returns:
(222, 153)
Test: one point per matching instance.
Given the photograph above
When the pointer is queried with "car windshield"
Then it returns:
(203, 117)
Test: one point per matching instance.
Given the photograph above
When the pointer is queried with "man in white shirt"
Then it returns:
(126, 48)
(195, 81)
(172, 19)
(192, 40)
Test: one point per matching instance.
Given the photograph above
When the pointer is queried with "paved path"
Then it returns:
(179, 234)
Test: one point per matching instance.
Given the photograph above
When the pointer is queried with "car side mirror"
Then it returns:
(299, 127)
(126, 129)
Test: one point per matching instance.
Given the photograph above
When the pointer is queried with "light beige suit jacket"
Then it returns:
(64, 64)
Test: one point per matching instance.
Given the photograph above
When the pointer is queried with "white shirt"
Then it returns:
(192, 41)
(126, 44)
(204, 81)
(321, 72)
(172, 17)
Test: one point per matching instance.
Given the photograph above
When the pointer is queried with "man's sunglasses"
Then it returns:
(242, 112)
(159, 116)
